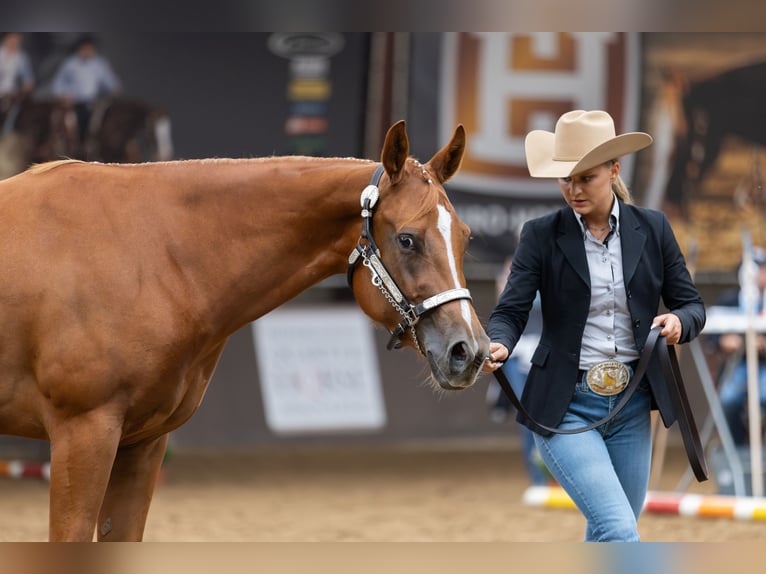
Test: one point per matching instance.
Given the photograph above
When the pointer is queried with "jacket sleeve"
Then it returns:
(510, 315)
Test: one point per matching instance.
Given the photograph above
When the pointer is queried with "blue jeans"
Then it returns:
(733, 396)
(605, 470)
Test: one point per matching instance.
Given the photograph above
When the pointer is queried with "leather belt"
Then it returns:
(672, 373)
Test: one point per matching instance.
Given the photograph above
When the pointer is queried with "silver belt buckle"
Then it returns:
(608, 378)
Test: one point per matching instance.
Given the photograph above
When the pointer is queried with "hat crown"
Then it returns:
(578, 132)
(582, 140)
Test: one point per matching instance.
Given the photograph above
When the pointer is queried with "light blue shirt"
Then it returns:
(608, 334)
(85, 79)
(15, 70)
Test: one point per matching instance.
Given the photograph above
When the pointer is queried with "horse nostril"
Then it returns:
(459, 351)
(459, 356)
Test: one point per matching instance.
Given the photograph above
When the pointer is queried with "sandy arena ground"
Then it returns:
(360, 493)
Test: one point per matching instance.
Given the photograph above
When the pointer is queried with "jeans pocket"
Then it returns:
(582, 384)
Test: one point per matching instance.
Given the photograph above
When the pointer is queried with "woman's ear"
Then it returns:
(615, 170)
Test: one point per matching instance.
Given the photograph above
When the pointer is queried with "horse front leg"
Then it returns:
(130, 490)
(82, 452)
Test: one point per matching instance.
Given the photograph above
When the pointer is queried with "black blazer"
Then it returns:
(551, 258)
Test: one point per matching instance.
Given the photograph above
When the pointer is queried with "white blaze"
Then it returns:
(444, 225)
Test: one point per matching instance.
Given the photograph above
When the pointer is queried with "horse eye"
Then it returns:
(406, 242)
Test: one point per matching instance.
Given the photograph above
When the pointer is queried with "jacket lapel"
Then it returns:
(570, 242)
(632, 240)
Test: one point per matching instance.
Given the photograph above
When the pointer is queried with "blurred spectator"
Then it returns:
(16, 75)
(84, 78)
(733, 390)
(16, 78)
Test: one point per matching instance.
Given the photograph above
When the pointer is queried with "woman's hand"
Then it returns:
(671, 327)
(498, 354)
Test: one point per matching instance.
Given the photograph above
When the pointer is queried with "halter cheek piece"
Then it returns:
(368, 250)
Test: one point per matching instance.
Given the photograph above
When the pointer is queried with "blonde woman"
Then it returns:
(602, 266)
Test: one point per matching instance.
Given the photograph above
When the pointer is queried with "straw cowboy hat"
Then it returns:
(582, 140)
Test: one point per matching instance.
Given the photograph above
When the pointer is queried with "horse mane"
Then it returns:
(285, 158)
(413, 167)
(49, 165)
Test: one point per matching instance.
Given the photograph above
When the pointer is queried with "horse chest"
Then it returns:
(166, 407)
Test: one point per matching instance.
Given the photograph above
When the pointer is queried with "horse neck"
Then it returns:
(285, 224)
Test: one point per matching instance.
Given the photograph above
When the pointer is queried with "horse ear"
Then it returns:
(396, 149)
(446, 161)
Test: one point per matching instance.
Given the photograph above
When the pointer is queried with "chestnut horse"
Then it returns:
(691, 122)
(126, 130)
(121, 284)
(121, 130)
(33, 131)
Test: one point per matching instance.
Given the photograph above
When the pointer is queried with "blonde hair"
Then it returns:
(619, 187)
(621, 190)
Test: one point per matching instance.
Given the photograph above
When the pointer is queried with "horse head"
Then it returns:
(414, 282)
(672, 148)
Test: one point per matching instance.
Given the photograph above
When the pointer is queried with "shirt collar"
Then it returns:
(614, 218)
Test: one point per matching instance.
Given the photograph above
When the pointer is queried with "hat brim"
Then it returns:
(538, 147)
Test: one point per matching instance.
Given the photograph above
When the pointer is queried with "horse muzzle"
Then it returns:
(458, 367)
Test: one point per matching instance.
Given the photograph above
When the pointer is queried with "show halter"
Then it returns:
(368, 250)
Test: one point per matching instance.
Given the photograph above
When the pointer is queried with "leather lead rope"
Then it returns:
(672, 373)
(684, 415)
